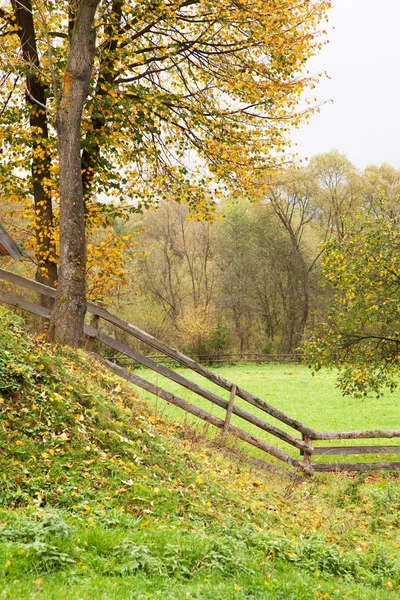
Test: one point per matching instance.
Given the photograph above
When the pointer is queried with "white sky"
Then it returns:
(363, 61)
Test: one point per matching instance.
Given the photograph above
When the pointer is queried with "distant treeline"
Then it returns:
(250, 281)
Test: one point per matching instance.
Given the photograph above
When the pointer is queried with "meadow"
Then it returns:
(314, 400)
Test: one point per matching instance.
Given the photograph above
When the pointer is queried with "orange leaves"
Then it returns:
(107, 255)
(195, 325)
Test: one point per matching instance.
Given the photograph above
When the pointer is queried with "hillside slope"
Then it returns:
(101, 499)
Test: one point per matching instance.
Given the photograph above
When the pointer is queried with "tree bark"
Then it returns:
(41, 158)
(68, 317)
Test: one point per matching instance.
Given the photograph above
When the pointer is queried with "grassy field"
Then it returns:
(102, 498)
(313, 400)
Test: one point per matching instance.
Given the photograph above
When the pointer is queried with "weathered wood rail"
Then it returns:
(245, 357)
(304, 444)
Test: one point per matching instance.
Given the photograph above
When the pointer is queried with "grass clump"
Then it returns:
(99, 498)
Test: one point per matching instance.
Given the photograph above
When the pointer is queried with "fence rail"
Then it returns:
(236, 357)
(303, 444)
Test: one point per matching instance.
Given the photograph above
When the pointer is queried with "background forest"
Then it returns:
(249, 280)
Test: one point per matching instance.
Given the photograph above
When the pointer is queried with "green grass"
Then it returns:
(101, 497)
(313, 400)
(126, 561)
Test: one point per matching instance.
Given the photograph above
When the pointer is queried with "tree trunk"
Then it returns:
(68, 317)
(41, 158)
(305, 308)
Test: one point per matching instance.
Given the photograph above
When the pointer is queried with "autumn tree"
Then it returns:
(380, 190)
(150, 100)
(20, 20)
(293, 199)
(361, 335)
(176, 269)
(338, 185)
(268, 277)
(236, 267)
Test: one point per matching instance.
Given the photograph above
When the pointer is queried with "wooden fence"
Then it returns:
(301, 438)
(233, 357)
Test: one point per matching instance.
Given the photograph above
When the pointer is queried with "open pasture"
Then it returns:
(315, 400)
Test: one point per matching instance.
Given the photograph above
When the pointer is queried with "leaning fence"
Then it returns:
(300, 437)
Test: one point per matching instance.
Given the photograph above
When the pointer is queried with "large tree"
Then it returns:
(146, 100)
(361, 335)
(338, 185)
(293, 199)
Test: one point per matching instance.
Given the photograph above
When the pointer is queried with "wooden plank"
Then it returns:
(188, 362)
(355, 435)
(94, 322)
(12, 300)
(356, 450)
(9, 246)
(205, 416)
(198, 368)
(200, 413)
(229, 411)
(373, 466)
(161, 347)
(29, 284)
(193, 387)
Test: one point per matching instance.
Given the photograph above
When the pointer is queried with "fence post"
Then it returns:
(229, 412)
(94, 322)
(307, 457)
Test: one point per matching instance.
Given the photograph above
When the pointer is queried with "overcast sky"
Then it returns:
(363, 61)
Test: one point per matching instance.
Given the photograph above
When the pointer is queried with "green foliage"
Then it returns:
(362, 334)
(243, 558)
(219, 338)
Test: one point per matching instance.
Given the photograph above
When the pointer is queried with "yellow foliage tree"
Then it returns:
(147, 100)
(195, 328)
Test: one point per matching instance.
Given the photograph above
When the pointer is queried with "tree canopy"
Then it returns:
(168, 77)
(170, 99)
